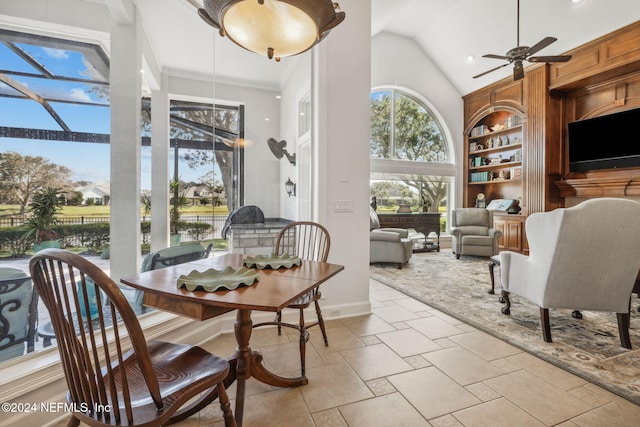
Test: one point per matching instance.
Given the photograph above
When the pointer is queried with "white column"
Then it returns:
(125, 81)
(342, 84)
(160, 166)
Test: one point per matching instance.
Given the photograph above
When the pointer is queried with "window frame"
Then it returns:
(413, 167)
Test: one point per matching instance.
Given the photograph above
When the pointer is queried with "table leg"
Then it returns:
(246, 363)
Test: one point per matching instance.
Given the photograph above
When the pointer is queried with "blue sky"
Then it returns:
(87, 161)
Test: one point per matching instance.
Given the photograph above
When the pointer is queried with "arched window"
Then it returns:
(410, 154)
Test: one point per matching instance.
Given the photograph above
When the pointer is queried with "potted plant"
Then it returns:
(43, 209)
(178, 202)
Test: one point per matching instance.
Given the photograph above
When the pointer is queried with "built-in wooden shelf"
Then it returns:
(600, 187)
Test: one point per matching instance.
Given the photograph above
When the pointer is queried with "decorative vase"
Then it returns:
(45, 244)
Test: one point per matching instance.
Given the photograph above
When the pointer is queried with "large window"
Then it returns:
(410, 154)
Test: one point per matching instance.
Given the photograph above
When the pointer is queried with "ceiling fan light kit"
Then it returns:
(518, 54)
(274, 28)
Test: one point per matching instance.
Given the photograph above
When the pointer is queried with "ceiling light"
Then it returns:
(274, 28)
(576, 1)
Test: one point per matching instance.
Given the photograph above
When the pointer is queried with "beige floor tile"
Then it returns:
(434, 327)
(413, 305)
(482, 391)
(367, 325)
(408, 342)
(375, 361)
(371, 340)
(610, 415)
(485, 346)
(285, 358)
(447, 318)
(539, 398)
(462, 365)
(384, 293)
(432, 393)
(383, 411)
(496, 413)
(279, 408)
(417, 361)
(400, 325)
(548, 372)
(587, 395)
(380, 386)
(329, 418)
(445, 421)
(331, 386)
(394, 313)
(341, 338)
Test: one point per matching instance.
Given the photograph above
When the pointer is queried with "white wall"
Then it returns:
(296, 85)
(399, 61)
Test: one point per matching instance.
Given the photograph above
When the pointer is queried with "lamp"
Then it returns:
(274, 28)
(290, 187)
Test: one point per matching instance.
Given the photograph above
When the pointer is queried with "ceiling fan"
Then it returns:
(523, 53)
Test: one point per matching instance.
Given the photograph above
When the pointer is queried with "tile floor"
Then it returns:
(407, 364)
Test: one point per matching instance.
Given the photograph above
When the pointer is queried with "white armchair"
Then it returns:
(582, 258)
(388, 244)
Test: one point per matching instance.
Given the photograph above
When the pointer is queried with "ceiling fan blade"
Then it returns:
(559, 58)
(492, 56)
(540, 45)
(490, 71)
(518, 71)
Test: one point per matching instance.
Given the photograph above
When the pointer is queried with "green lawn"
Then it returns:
(6, 210)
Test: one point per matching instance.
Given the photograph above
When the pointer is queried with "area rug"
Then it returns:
(589, 347)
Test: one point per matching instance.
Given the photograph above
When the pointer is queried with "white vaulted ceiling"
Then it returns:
(448, 31)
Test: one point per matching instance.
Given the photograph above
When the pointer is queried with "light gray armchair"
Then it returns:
(473, 233)
(388, 244)
(581, 258)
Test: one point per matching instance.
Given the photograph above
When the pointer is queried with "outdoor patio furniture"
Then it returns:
(18, 313)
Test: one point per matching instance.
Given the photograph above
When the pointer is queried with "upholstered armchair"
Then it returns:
(388, 244)
(473, 233)
(580, 258)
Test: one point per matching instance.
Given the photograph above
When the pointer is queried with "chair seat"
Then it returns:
(477, 240)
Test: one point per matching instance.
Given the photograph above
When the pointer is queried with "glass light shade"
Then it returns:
(274, 28)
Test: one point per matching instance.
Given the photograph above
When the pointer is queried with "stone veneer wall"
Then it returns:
(254, 239)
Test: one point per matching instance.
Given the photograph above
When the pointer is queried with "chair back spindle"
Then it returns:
(91, 352)
(304, 239)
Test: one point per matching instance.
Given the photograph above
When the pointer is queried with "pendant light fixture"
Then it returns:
(274, 28)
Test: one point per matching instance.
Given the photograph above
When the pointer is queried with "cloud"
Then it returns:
(80, 95)
(56, 53)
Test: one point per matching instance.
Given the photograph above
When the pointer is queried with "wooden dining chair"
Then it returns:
(154, 383)
(310, 241)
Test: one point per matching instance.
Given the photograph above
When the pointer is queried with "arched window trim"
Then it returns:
(413, 166)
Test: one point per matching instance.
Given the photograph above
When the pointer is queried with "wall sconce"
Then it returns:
(290, 187)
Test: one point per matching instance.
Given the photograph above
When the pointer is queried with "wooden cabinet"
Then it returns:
(513, 235)
(423, 222)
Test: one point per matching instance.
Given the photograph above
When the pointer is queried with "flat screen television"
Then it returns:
(605, 142)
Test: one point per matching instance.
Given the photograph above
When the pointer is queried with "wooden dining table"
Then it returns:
(274, 290)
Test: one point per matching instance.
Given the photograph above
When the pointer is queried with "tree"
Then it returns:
(417, 137)
(225, 119)
(21, 176)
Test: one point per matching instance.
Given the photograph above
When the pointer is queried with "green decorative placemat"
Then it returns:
(272, 261)
(212, 280)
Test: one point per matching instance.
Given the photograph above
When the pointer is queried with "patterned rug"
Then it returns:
(589, 347)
